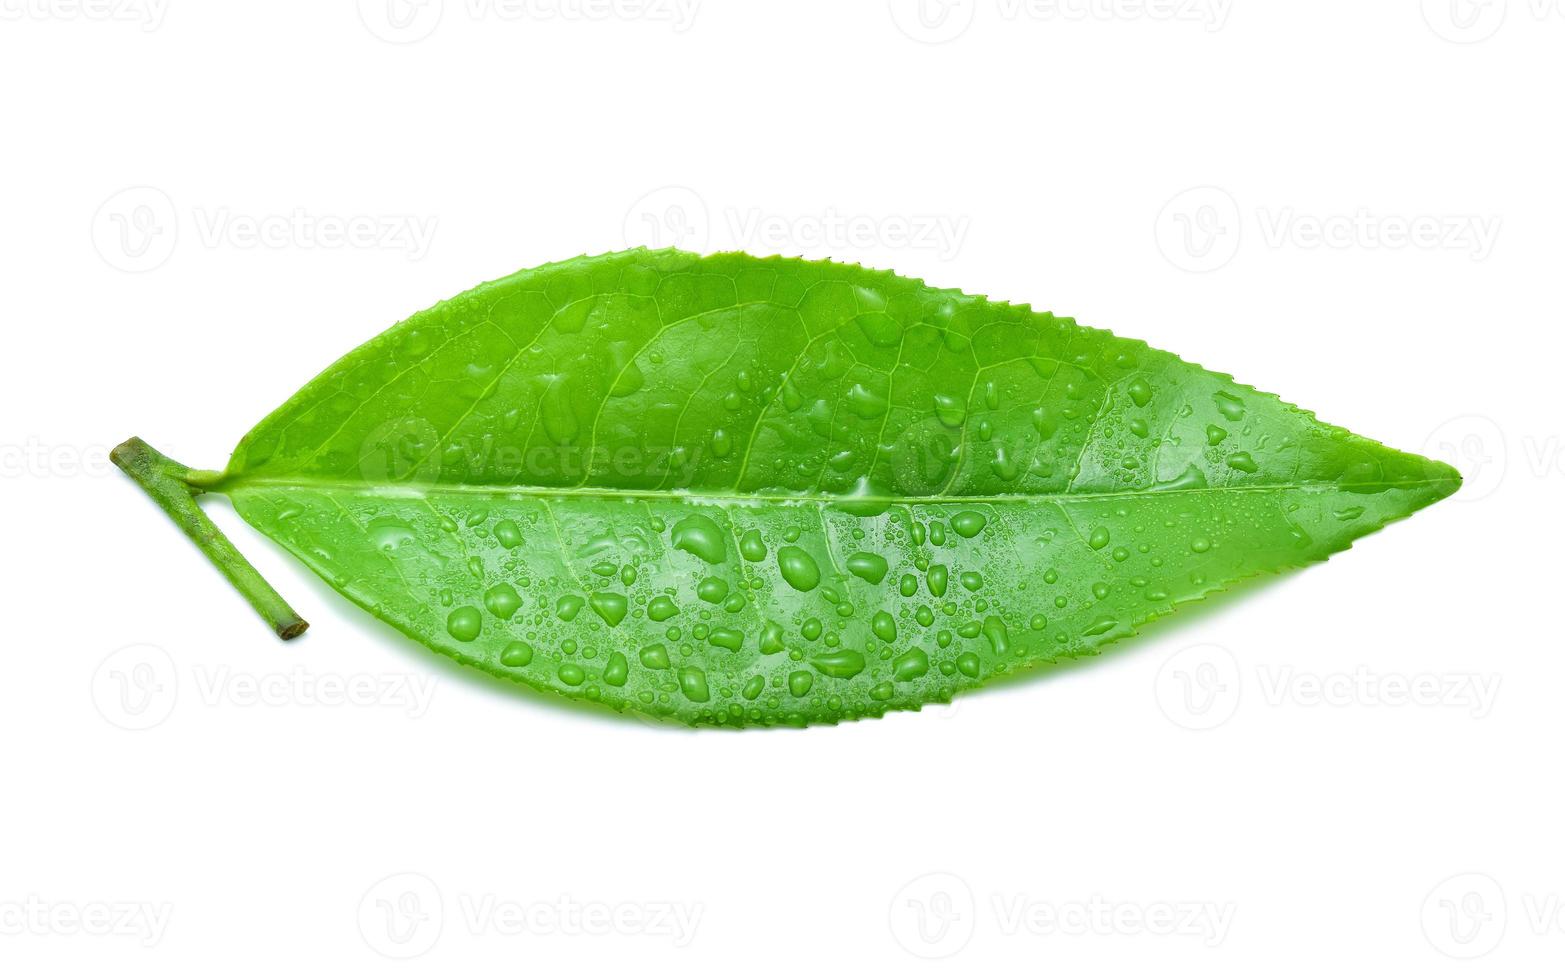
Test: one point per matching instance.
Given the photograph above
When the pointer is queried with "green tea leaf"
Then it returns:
(742, 491)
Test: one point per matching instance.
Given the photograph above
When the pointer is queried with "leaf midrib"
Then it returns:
(412, 490)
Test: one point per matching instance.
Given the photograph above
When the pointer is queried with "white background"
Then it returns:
(1356, 205)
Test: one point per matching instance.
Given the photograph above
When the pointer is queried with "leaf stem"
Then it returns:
(174, 488)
